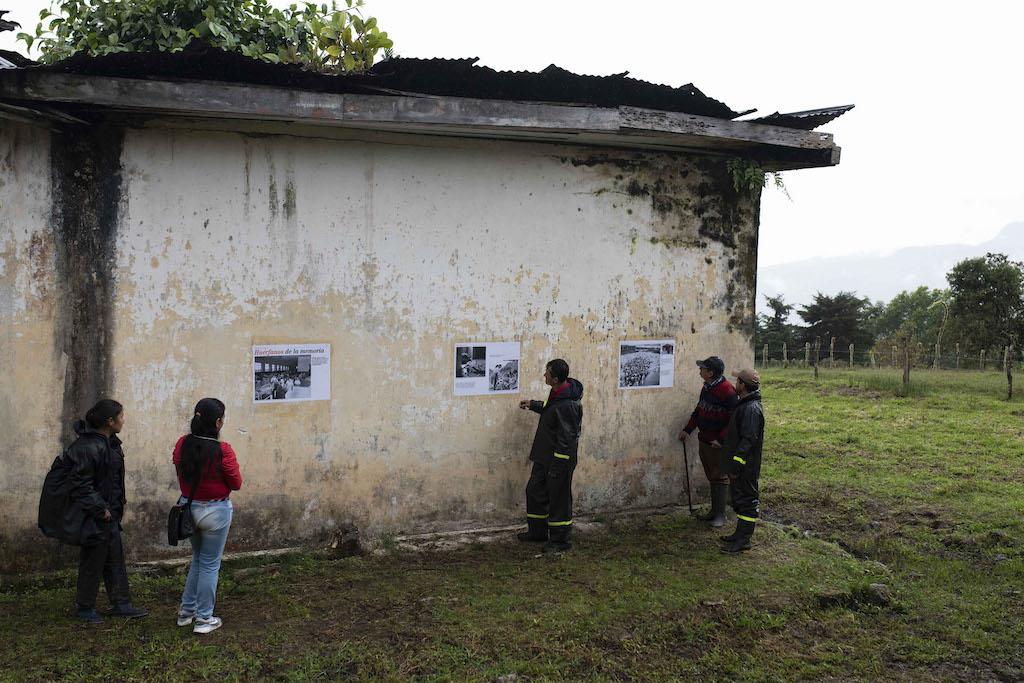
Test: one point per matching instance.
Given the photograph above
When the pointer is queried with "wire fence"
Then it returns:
(916, 356)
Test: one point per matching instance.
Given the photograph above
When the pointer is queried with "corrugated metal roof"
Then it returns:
(14, 59)
(804, 120)
(462, 78)
(437, 77)
(442, 77)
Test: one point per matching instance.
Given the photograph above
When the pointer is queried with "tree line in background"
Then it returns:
(979, 315)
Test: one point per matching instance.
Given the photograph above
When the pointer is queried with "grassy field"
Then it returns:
(922, 493)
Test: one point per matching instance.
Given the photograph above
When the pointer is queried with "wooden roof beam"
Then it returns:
(627, 127)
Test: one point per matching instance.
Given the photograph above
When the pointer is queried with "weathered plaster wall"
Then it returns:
(31, 368)
(392, 249)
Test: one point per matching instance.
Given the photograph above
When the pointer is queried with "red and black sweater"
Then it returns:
(711, 416)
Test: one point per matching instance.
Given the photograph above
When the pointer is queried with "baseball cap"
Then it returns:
(712, 363)
(749, 377)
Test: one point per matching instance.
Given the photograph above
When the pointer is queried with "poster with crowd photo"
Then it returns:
(646, 364)
(287, 373)
(486, 368)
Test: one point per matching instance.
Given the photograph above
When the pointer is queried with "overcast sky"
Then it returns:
(932, 154)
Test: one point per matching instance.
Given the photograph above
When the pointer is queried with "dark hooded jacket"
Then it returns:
(744, 438)
(558, 430)
(84, 482)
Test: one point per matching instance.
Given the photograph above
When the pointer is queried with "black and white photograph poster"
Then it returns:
(287, 373)
(646, 364)
(486, 368)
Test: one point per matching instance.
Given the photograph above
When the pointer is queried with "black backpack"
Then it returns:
(60, 516)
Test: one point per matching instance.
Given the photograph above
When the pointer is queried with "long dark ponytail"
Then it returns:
(201, 450)
(101, 413)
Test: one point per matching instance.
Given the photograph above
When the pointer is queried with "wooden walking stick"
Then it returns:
(686, 461)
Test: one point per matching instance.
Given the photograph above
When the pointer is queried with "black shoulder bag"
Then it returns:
(180, 524)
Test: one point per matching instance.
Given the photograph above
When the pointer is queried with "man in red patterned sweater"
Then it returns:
(711, 418)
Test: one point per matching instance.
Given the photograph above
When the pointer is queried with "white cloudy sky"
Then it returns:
(933, 153)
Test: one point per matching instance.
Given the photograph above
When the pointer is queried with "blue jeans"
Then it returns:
(212, 522)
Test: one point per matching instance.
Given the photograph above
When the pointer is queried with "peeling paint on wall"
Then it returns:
(30, 404)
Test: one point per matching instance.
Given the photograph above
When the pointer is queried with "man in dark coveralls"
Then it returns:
(744, 439)
(549, 491)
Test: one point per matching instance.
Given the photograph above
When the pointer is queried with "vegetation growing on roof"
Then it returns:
(748, 175)
(325, 38)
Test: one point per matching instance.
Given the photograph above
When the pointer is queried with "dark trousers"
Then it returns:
(549, 499)
(746, 501)
(106, 560)
(711, 458)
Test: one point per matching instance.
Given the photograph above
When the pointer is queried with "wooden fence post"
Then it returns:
(938, 352)
(981, 360)
(764, 356)
(785, 356)
(851, 355)
(817, 355)
(1008, 366)
(958, 355)
(895, 350)
(872, 354)
(832, 353)
(807, 354)
(906, 368)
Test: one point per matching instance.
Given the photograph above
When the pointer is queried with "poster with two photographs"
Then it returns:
(483, 368)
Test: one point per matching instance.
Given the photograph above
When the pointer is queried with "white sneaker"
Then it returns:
(207, 625)
(185, 619)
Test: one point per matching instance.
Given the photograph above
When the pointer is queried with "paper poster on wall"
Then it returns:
(287, 373)
(646, 364)
(486, 368)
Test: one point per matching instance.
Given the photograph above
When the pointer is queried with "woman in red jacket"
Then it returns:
(208, 466)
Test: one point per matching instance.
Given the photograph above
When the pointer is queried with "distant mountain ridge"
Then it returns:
(879, 276)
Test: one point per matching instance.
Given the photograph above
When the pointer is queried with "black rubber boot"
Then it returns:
(527, 537)
(719, 494)
(741, 540)
(560, 540)
(714, 510)
(537, 531)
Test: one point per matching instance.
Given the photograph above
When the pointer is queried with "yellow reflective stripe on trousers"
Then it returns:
(529, 516)
(745, 519)
(739, 460)
(563, 457)
(560, 523)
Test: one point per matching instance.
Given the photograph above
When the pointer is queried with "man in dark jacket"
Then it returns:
(97, 485)
(710, 418)
(743, 442)
(549, 491)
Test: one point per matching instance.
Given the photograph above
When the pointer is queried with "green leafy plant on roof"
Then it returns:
(333, 38)
(748, 175)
